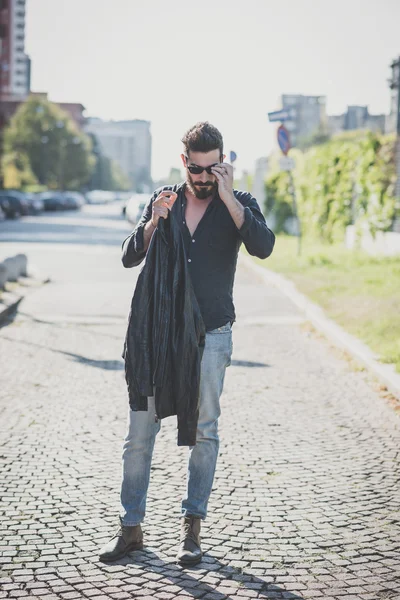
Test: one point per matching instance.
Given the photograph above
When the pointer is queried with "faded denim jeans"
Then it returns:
(142, 431)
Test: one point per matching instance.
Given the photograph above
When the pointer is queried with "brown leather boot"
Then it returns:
(127, 539)
(189, 552)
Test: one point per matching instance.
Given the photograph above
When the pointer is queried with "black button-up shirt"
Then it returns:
(212, 251)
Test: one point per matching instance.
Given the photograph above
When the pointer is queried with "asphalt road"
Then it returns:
(306, 496)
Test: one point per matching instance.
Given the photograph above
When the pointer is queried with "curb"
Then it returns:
(10, 301)
(338, 336)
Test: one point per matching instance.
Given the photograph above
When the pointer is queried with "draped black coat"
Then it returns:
(166, 334)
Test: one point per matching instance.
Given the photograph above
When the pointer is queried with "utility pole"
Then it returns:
(3, 40)
(394, 84)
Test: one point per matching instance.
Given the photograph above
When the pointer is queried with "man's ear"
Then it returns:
(223, 157)
(183, 160)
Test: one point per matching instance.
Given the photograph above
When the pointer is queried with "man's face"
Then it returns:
(202, 185)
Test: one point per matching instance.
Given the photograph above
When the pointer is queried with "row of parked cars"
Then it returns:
(15, 204)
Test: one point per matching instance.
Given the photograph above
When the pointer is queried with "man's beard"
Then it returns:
(202, 191)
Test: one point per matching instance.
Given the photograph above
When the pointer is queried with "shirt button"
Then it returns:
(193, 241)
(189, 260)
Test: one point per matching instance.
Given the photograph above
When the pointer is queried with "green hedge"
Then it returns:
(349, 179)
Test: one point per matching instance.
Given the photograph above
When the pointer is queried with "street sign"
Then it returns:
(286, 114)
(286, 164)
(283, 139)
(232, 156)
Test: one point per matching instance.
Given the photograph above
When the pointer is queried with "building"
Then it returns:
(128, 143)
(309, 117)
(15, 66)
(356, 117)
(74, 110)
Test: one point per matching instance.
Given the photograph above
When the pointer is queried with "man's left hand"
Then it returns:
(224, 175)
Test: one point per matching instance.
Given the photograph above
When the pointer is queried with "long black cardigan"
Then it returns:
(166, 334)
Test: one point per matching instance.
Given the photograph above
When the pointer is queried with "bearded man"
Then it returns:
(214, 221)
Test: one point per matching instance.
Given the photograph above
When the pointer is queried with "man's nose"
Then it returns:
(204, 177)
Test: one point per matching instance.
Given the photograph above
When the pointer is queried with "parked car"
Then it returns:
(13, 203)
(53, 201)
(100, 197)
(73, 200)
(133, 209)
(35, 204)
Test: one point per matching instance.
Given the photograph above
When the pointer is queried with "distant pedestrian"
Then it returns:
(213, 221)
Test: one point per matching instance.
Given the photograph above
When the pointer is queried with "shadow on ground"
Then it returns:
(181, 576)
(247, 363)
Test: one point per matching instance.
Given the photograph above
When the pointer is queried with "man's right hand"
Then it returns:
(161, 205)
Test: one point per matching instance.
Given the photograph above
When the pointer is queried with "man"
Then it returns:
(214, 221)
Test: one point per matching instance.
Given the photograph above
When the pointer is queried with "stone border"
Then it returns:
(336, 334)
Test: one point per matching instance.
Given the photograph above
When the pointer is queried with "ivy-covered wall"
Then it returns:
(349, 179)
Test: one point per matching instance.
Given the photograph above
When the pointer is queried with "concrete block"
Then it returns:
(16, 266)
(23, 264)
(3, 275)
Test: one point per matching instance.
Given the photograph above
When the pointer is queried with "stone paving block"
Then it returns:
(304, 489)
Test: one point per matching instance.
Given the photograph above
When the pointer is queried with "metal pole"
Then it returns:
(398, 96)
(397, 150)
(3, 36)
(295, 211)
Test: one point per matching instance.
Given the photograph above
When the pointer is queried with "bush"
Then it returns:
(349, 179)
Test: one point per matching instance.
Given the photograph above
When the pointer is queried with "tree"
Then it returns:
(17, 172)
(57, 153)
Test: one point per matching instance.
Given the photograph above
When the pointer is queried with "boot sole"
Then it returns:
(189, 562)
(130, 548)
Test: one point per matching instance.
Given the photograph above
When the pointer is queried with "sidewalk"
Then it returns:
(306, 495)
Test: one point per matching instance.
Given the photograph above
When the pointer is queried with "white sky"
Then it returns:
(176, 62)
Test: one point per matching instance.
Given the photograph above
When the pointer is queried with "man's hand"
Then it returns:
(224, 175)
(161, 205)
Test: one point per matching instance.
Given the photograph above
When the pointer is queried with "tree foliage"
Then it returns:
(349, 179)
(46, 141)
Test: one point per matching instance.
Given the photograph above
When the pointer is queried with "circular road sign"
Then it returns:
(283, 139)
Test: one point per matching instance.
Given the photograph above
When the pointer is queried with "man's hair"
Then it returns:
(203, 137)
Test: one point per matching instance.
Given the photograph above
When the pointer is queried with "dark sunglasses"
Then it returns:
(196, 170)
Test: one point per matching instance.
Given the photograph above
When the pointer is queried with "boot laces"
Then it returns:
(189, 533)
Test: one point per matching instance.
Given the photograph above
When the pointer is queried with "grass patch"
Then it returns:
(358, 291)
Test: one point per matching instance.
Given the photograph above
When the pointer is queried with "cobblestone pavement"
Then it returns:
(306, 500)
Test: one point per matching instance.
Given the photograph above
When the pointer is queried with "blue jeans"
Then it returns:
(142, 431)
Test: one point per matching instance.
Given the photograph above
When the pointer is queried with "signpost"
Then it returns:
(286, 163)
(286, 114)
(283, 139)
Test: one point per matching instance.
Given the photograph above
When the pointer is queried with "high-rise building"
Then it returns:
(128, 143)
(15, 67)
(309, 117)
